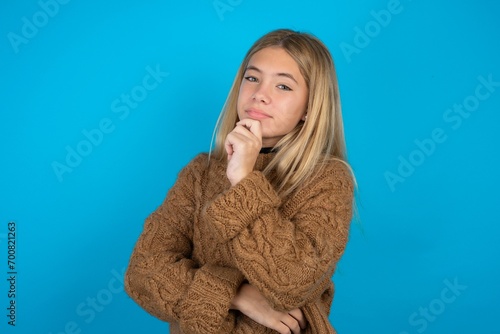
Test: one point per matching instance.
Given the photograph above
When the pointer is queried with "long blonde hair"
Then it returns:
(321, 136)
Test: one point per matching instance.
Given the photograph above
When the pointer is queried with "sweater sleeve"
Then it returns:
(290, 261)
(164, 280)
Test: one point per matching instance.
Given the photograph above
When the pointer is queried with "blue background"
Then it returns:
(423, 256)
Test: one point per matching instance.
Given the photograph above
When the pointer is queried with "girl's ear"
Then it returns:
(304, 117)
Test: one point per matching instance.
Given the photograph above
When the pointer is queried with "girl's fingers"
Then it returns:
(242, 146)
(253, 126)
(298, 315)
(292, 324)
(242, 136)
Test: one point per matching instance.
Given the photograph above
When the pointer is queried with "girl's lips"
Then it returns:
(257, 114)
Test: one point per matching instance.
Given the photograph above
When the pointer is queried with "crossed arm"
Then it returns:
(280, 264)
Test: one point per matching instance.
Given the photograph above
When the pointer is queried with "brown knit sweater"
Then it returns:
(208, 237)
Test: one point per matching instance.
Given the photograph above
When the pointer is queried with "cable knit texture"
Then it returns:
(207, 238)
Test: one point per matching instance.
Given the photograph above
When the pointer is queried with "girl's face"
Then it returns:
(273, 92)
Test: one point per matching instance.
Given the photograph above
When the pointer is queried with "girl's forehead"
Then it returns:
(273, 60)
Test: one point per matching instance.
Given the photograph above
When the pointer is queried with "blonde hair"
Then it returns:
(321, 137)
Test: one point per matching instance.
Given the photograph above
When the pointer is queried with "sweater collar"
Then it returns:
(266, 150)
(263, 159)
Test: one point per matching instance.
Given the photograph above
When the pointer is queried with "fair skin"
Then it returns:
(272, 100)
(254, 305)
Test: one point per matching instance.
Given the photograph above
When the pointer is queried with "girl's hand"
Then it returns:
(242, 145)
(254, 305)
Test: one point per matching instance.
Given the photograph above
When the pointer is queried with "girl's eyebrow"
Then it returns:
(288, 75)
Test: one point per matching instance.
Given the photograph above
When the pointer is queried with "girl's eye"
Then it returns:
(284, 87)
(251, 79)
